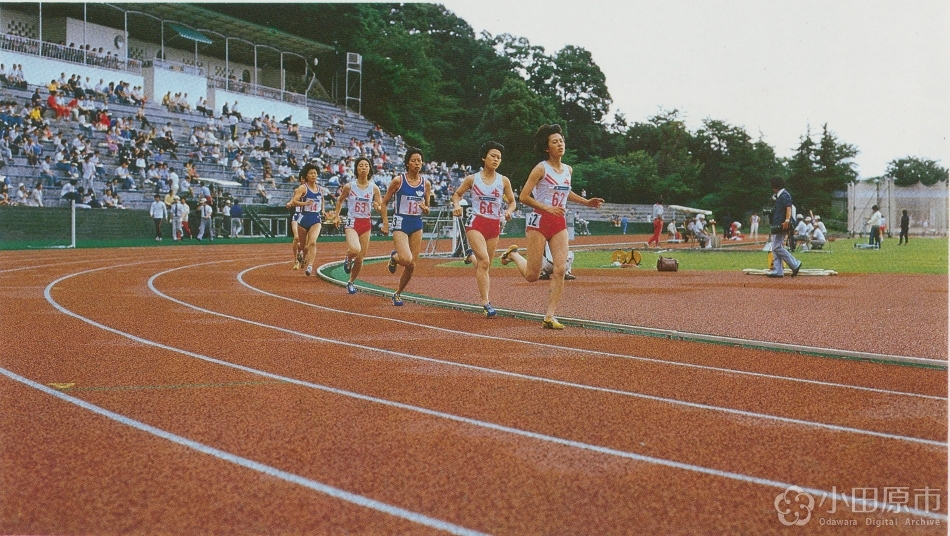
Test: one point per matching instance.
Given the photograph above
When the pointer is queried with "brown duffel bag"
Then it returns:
(667, 264)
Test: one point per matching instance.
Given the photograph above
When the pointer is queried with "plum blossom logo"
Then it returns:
(794, 506)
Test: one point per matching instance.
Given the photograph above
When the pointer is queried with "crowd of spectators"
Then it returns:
(130, 153)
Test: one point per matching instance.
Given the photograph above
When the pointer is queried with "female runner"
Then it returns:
(309, 197)
(361, 198)
(411, 192)
(490, 190)
(298, 251)
(547, 191)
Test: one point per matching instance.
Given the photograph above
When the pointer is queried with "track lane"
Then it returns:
(544, 457)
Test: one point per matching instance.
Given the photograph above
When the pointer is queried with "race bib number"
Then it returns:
(534, 220)
(486, 208)
(559, 196)
(349, 222)
(361, 208)
(397, 222)
(470, 219)
(410, 206)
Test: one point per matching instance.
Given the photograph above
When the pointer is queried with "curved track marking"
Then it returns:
(583, 350)
(320, 487)
(694, 405)
(487, 425)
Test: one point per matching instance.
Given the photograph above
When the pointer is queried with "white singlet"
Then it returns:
(359, 202)
(487, 200)
(553, 188)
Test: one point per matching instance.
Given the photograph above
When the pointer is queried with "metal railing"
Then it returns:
(237, 86)
(175, 66)
(25, 45)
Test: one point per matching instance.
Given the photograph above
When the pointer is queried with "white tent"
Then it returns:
(926, 206)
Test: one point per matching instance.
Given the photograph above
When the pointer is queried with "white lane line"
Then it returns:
(583, 350)
(320, 487)
(486, 370)
(492, 426)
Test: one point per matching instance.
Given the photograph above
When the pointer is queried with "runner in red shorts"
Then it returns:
(361, 197)
(547, 191)
(492, 200)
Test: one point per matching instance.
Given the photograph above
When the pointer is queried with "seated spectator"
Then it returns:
(5, 200)
(6, 152)
(699, 230)
(202, 107)
(817, 238)
(46, 171)
(284, 172)
(124, 177)
(671, 230)
(734, 231)
(91, 200)
(70, 192)
(33, 150)
(294, 130)
(803, 230)
(35, 198)
(22, 195)
(262, 193)
(240, 176)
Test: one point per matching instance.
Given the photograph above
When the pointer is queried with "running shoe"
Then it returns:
(544, 276)
(569, 276)
(350, 289)
(392, 263)
(347, 265)
(796, 269)
(504, 256)
(552, 323)
(308, 271)
(397, 300)
(468, 255)
(490, 311)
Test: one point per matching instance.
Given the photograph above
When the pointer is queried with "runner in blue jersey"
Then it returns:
(411, 193)
(309, 197)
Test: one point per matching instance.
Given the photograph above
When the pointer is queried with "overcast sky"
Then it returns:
(878, 73)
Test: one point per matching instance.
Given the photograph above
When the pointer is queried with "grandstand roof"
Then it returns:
(215, 26)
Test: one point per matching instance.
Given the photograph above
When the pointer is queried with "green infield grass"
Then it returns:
(920, 256)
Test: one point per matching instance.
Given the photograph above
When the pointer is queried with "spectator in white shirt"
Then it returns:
(159, 213)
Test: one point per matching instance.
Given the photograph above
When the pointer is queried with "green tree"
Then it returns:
(734, 179)
(910, 170)
(619, 179)
(666, 139)
(817, 170)
(513, 114)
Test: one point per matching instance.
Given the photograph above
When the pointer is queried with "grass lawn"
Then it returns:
(920, 256)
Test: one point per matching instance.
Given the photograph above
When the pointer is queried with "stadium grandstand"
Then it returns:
(174, 88)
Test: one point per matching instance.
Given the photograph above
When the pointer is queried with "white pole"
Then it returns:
(72, 223)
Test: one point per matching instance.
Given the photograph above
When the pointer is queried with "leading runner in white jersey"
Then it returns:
(547, 191)
(492, 201)
(361, 197)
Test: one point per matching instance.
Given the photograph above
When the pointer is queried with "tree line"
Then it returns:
(428, 77)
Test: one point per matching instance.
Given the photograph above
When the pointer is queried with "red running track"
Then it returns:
(188, 390)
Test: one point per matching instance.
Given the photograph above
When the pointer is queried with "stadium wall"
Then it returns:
(38, 70)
